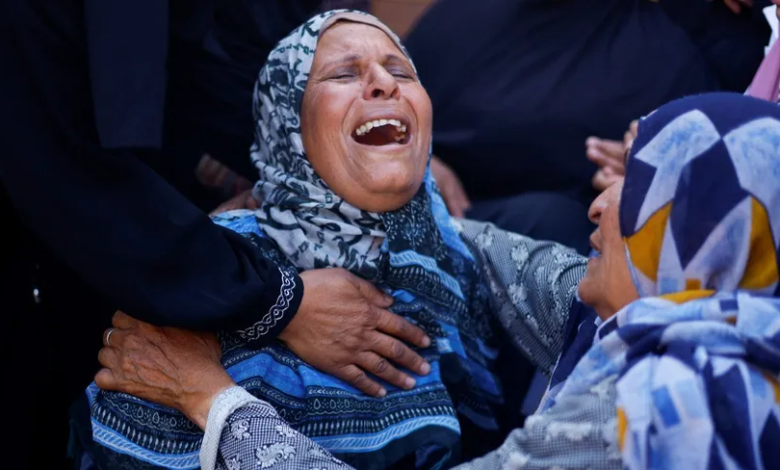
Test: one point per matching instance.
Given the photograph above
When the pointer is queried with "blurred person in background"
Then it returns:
(518, 87)
(609, 155)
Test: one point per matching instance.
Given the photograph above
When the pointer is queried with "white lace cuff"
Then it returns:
(223, 407)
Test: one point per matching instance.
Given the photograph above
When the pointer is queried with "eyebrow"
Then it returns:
(350, 59)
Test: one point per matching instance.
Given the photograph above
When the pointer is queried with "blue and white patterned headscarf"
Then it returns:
(413, 253)
(312, 225)
(697, 359)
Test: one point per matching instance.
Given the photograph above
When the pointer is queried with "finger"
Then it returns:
(459, 193)
(105, 380)
(241, 185)
(454, 206)
(227, 206)
(382, 368)
(354, 376)
(108, 358)
(599, 155)
(115, 339)
(611, 148)
(629, 136)
(207, 167)
(733, 5)
(107, 336)
(398, 327)
(203, 165)
(603, 161)
(400, 354)
(456, 211)
(372, 294)
(600, 182)
(122, 320)
(251, 202)
(607, 147)
(634, 128)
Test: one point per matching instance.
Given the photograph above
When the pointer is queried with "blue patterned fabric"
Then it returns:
(414, 254)
(696, 361)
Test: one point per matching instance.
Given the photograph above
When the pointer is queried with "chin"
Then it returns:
(386, 195)
(588, 290)
(388, 200)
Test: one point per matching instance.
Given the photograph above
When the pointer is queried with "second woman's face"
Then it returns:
(366, 120)
(607, 285)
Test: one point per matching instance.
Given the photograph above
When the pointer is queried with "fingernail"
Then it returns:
(389, 299)
(425, 368)
(409, 383)
(382, 393)
(591, 141)
(426, 341)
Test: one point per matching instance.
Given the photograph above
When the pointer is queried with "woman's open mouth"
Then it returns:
(382, 132)
(595, 249)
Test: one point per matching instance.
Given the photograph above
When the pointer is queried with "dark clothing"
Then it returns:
(79, 107)
(518, 85)
(96, 93)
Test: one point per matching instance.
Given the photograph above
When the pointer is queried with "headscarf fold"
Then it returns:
(413, 253)
(697, 359)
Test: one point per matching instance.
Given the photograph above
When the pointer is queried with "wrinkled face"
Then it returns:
(607, 286)
(365, 118)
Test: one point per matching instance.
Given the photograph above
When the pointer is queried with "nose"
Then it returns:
(597, 208)
(381, 85)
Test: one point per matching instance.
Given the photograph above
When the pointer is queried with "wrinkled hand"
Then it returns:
(172, 367)
(343, 328)
(451, 188)
(244, 200)
(610, 157)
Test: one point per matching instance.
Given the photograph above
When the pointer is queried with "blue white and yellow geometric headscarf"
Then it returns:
(700, 215)
(701, 201)
(696, 361)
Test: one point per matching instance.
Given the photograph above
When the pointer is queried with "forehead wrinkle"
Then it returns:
(354, 41)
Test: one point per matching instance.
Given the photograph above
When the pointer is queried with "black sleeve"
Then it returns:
(144, 247)
(125, 231)
(127, 49)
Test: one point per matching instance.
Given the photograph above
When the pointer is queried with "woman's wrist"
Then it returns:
(196, 404)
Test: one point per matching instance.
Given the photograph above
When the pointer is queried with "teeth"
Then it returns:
(382, 122)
